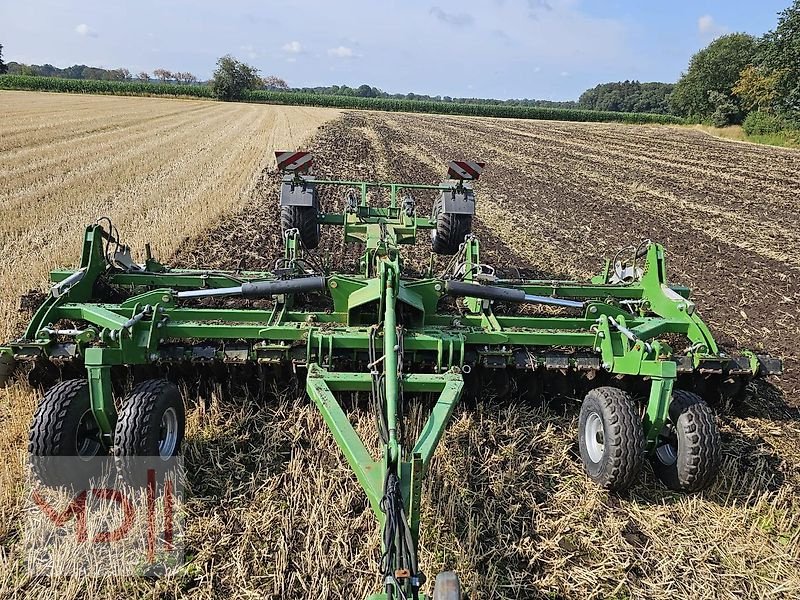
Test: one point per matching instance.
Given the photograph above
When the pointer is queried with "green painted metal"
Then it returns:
(422, 349)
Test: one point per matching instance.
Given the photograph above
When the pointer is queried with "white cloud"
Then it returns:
(455, 19)
(565, 73)
(84, 30)
(342, 52)
(706, 25)
(293, 47)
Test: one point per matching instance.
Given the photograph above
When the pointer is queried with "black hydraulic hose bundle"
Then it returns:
(397, 541)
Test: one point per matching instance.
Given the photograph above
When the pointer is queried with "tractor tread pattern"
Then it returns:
(451, 229)
(135, 420)
(625, 438)
(52, 435)
(698, 466)
(304, 219)
(47, 428)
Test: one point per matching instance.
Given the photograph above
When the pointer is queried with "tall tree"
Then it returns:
(714, 69)
(233, 78)
(143, 76)
(779, 53)
(274, 82)
(3, 67)
(162, 75)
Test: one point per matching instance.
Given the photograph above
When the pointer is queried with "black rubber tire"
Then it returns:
(447, 586)
(451, 229)
(621, 455)
(61, 427)
(139, 429)
(688, 454)
(304, 219)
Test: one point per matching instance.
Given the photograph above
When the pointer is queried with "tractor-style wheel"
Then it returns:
(304, 219)
(451, 229)
(151, 424)
(611, 438)
(688, 454)
(447, 586)
(64, 426)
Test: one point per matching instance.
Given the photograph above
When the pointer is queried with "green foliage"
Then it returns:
(233, 79)
(762, 123)
(779, 55)
(73, 72)
(456, 108)
(3, 67)
(714, 69)
(85, 86)
(344, 90)
(138, 88)
(628, 96)
(757, 89)
(726, 111)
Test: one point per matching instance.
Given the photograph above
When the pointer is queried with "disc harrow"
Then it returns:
(629, 340)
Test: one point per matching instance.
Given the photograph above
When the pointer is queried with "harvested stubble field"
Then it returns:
(274, 512)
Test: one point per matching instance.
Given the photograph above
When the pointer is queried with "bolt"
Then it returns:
(593, 309)
(166, 298)
(334, 285)
(607, 366)
(438, 287)
(154, 356)
(601, 335)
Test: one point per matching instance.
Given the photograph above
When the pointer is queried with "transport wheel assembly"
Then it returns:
(151, 424)
(64, 426)
(611, 438)
(451, 229)
(688, 455)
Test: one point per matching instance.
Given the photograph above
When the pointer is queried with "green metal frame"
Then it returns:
(153, 327)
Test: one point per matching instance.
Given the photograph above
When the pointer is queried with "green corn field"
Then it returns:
(134, 88)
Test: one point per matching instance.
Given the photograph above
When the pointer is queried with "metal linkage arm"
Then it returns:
(263, 289)
(491, 292)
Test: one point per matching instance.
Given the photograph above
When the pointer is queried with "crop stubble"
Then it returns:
(507, 505)
(274, 511)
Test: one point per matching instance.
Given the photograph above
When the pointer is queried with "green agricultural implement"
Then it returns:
(629, 341)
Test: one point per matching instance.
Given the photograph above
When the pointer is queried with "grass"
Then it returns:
(128, 88)
(784, 139)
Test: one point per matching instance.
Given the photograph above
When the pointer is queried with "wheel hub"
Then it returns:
(168, 434)
(594, 438)
(87, 440)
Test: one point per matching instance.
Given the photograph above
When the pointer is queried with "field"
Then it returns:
(136, 88)
(273, 510)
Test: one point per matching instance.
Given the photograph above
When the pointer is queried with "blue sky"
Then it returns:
(548, 49)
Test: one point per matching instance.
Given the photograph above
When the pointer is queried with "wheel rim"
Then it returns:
(87, 440)
(667, 453)
(168, 435)
(593, 437)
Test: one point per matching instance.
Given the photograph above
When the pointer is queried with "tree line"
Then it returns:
(629, 96)
(739, 78)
